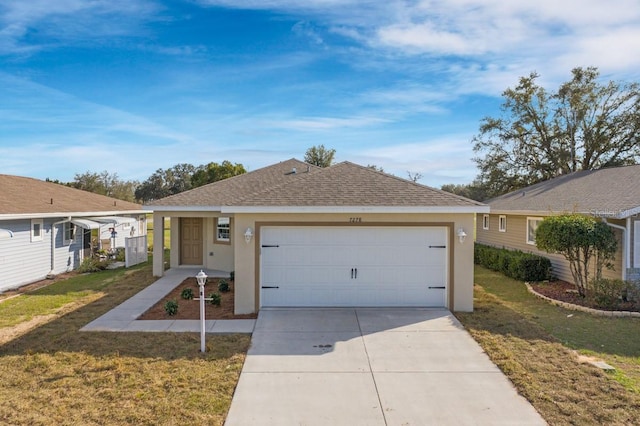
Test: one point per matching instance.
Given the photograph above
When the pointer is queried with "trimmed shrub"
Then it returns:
(216, 299)
(187, 294)
(171, 307)
(513, 263)
(223, 286)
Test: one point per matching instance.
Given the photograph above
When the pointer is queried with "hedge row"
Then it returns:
(514, 264)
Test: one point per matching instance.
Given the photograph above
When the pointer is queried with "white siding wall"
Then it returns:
(23, 261)
(125, 230)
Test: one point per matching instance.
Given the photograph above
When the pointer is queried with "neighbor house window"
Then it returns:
(223, 229)
(69, 232)
(485, 222)
(36, 229)
(502, 223)
(532, 227)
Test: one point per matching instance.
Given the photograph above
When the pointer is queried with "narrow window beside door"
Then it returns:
(223, 229)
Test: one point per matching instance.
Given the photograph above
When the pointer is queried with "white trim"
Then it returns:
(621, 214)
(85, 223)
(12, 216)
(218, 228)
(527, 240)
(117, 220)
(636, 244)
(628, 213)
(500, 227)
(486, 225)
(356, 209)
(160, 209)
(40, 223)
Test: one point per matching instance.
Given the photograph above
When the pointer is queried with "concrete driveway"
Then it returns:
(371, 367)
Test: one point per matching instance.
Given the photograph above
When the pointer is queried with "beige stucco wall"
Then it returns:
(247, 255)
(515, 238)
(216, 255)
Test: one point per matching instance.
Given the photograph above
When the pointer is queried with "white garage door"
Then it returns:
(353, 266)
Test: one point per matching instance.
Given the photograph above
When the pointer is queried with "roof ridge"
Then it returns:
(420, 185)
(282, 184)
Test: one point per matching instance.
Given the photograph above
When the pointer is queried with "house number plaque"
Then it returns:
(355, 219)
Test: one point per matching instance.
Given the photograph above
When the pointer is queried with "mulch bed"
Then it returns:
(566, 292)
(190, 309)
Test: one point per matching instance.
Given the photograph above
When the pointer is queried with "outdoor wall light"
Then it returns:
(461, 235)
(248, 234)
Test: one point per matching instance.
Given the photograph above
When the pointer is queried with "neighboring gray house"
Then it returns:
(47, 228)
(611, 194)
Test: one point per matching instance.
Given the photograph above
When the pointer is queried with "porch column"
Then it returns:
(158, 245)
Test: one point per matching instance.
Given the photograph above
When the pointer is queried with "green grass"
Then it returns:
(167, 233)
(49, 300)
(533, 341)
(97, 378)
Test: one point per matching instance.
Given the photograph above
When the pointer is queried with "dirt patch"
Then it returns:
(566, 292)
(8, 294)
(190, 309)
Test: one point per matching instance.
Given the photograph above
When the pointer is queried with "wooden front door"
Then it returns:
(191, 241)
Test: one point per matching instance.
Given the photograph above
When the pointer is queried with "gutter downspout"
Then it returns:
(53, 244)
(625, 247)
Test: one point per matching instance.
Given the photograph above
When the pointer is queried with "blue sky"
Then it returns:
(130, 86)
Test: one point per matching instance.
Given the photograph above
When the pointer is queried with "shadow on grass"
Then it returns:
(507, 307)
(63, 335)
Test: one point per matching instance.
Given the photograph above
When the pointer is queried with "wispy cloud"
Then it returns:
(50, 23)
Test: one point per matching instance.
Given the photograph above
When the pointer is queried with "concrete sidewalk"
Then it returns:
(123, 317)
(371, 367)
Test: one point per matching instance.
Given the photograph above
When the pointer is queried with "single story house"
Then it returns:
(47, 228)
(297, 235)
(611, 194)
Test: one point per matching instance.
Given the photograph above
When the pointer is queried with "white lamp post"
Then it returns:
(202, 279)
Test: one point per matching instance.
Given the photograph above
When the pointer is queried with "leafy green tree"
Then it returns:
(105, 183)
(319, 156)
(163, 183)
(214, 172)
(580, 239)
(584, 125)
(473, 190)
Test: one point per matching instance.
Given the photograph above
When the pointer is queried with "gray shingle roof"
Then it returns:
(344, 184)
(612, 192)
(23, 195)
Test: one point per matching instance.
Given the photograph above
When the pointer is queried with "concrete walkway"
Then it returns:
(371, 367)
(123, 317)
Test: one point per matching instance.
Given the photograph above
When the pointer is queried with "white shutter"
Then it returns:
(636, 244)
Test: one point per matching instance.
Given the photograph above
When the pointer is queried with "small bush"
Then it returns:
(232, 275)
(90, 264)
(120, 255)
(171, 307)
(187, 294)
(216, 299)
(613, 294)
(513, 263)
(223, 286)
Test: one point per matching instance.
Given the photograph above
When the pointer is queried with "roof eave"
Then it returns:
(18, 216)
(355, 209)
(191, 208)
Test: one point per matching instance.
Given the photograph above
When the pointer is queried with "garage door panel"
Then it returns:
(392, 266)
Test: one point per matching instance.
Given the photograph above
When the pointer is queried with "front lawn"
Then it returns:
(533, 342)
(55, 374)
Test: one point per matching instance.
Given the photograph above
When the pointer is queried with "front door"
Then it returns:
(191, 241)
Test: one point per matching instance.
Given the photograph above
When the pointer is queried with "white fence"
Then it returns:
(135, 250)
